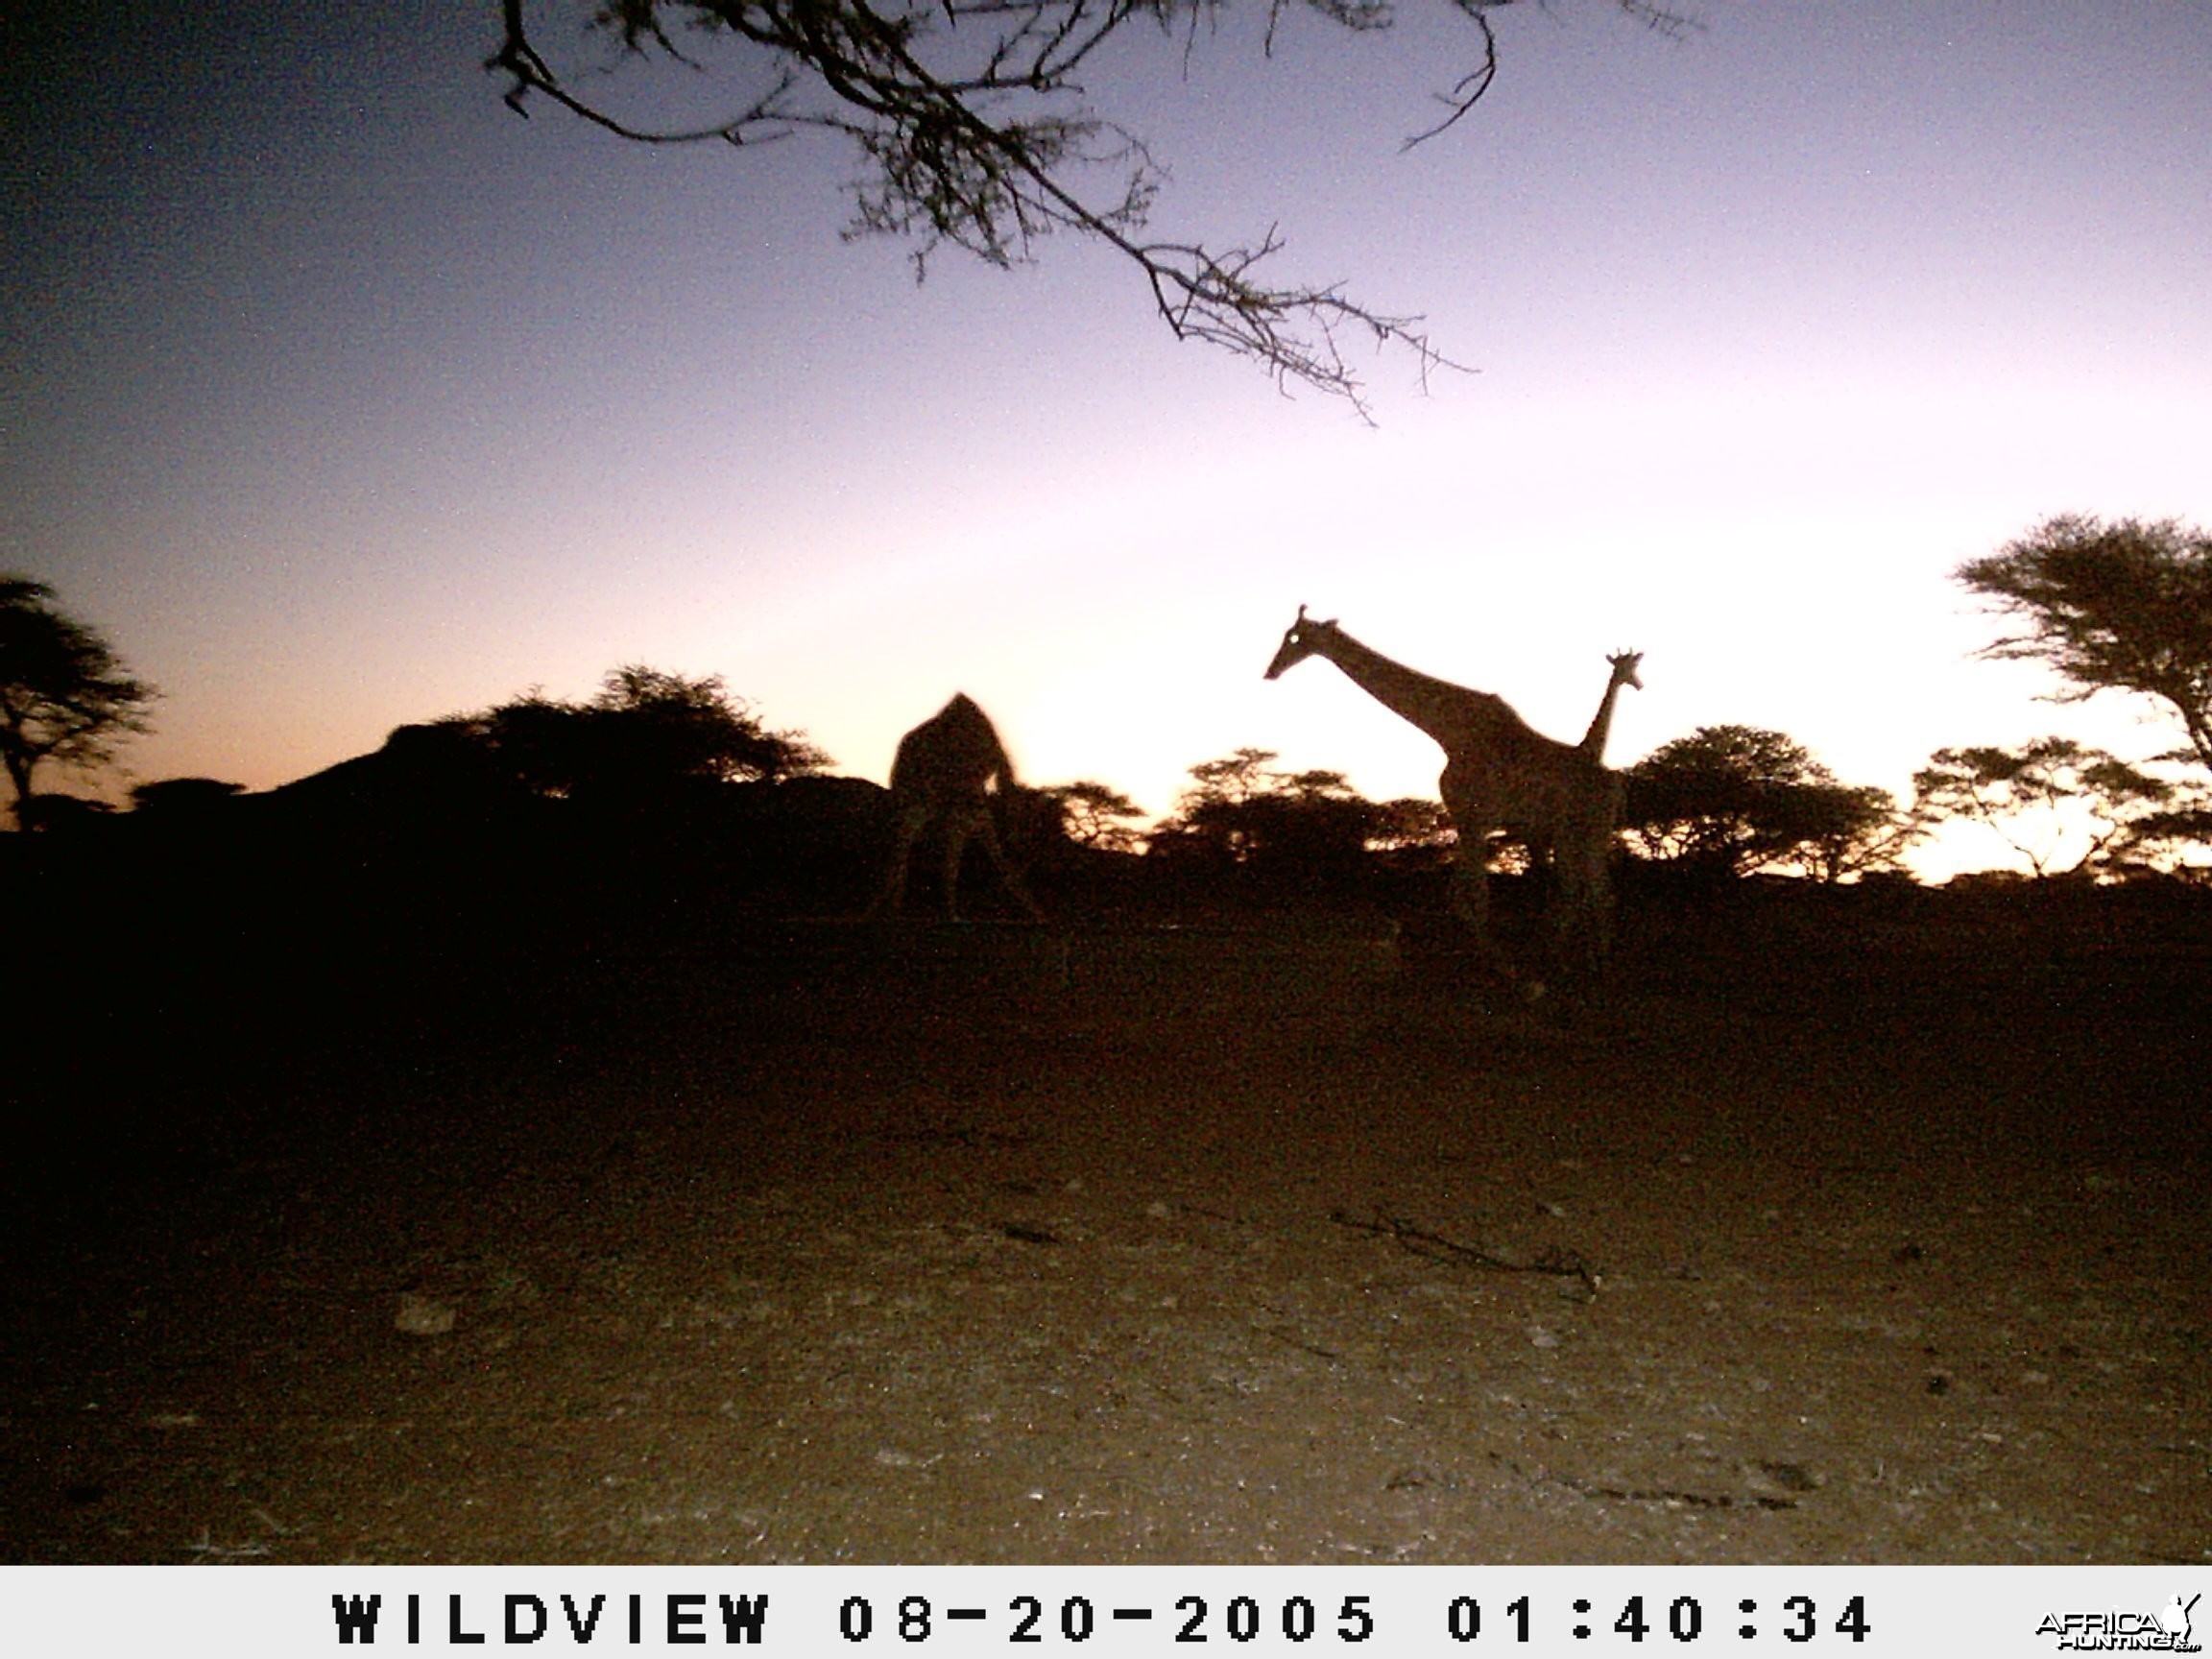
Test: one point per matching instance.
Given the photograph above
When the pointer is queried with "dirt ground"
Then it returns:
(1019, 1246)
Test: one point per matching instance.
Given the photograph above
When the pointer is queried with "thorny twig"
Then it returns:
(1554, 1259)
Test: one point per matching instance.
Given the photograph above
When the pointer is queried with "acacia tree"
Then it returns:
(1735, 800)
(1241, 812)
(1848, 830)
(974, 131)
(1208, 822)
(1233, 780)
(65, 695)
(2119, 607)
(677, 726)
(646, 733)
(1095, 815)
(2047, 795)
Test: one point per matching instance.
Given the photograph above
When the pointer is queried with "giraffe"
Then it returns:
(1498, 774)
(947, 772)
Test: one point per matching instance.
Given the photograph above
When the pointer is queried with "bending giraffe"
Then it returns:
(947, 772)
(1499, 773)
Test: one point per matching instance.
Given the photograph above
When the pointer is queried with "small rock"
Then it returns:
(423, 1315)
(1789, 1476)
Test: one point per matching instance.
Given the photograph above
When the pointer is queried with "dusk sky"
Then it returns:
(338, 397)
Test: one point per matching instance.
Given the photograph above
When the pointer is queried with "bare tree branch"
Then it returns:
(976, 132)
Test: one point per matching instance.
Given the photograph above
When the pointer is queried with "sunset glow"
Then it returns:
(339, 397)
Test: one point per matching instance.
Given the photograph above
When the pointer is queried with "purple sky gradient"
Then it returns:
(338, 396)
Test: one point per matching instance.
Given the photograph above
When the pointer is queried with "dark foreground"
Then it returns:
(1257, 1244)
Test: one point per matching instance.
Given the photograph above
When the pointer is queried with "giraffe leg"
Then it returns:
(891, 895)
(957, 831)
(1471, 893)
(1560, 889)
(1005, 868)
(1471, 905)
(1471, 874)
(1570, 920)
(1582, 921)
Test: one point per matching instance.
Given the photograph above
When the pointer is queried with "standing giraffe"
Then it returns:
(1498, 774)
(946, 771)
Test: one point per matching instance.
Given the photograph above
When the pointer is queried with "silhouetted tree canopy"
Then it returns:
(1233, 778)
(974, 125)
(1846, 829)
(1735, 800)
(1306, 825)
(65, 697)
(1094, 815)
(1412, 827)
(56, 813)
(646, 733)
(2048, 794)
(175, 799)
(2119, 607)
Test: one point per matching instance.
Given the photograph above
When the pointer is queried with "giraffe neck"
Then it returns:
(1449, 713)
(1602, 722)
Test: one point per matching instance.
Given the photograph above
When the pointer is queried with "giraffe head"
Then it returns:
(1624, 666)
(1300, 640)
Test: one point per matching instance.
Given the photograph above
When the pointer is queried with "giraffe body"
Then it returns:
(947, 773)
(1499, 773)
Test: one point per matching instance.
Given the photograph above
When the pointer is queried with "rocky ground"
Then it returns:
(1235, 1248)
